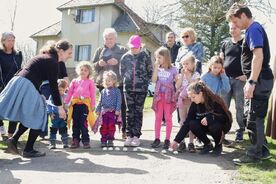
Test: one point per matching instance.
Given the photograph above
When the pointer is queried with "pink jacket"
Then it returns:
(82, 89)
(169, 95)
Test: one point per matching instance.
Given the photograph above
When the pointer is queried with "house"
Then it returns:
(83, 22)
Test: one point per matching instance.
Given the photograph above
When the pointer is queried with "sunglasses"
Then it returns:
(185, 36)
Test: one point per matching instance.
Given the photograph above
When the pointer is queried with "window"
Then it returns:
(82, 52)
(85, 16)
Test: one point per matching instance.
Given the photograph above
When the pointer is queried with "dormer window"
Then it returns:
(85, 16)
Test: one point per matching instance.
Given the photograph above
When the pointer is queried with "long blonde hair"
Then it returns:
(163, 51)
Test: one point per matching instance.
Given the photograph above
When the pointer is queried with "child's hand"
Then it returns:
(52, 116)
(156, 64)
(117, 113)
(222, 71)
(173, 145)
(204, 122)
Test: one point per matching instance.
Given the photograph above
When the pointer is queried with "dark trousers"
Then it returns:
(135, 105)
(80, 125)
(108, 127)
(33, 134)
(123, 107)
(255, 111)
(213, 128)
(45, 91)
(12, 126)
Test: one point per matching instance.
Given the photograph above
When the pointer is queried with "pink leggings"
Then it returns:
(166, 107)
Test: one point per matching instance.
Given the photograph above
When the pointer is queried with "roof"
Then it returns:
(129, 21)
(52, 30)
(82, 3)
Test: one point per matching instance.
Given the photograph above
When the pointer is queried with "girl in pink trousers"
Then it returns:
(164, 75)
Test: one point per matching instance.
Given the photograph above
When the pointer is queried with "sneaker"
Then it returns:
(33, 153)
(12, 146)
(65, 146)
(265, 153)
(191, 148)
(226, 142)
(75, 143)
(239, 137)
(103, 144)
(52, 146)
(156, 143)
(206, 148)
(217, 150)
(124, 135)
(128, 141)
(135, 142)
(244, 160)
(86, 145)
(182, 147)
(110, 143)
(2, 130)
(166, 144)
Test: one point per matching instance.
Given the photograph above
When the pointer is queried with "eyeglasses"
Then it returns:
(185, 36)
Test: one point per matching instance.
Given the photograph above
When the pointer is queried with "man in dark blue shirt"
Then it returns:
(255, 65)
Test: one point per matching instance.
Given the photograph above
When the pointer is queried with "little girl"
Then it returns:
(187, 76)
(136, 72)
(57, 124)
(164, 74)
(217, 81)
(215, 78)
(81, 95)
(109, 108)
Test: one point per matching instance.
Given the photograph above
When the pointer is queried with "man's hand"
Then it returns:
(102, 63)
(112, 61)
(248, 90)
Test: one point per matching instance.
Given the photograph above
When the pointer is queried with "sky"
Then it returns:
(34, 15)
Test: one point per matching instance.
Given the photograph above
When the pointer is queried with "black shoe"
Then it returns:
(182, 147)
(65, 146)
(104, 144)
(12, 146)
(156, 143)
(217, 150)
(110, 143)
(191, 148)
(33, 153)
(166, 144)
(206, 148)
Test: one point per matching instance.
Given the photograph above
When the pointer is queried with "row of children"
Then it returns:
(135, 62)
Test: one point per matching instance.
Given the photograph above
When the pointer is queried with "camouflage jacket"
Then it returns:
(136, 71)
(117, 52)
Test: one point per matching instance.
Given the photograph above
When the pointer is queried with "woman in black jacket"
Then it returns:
(10, 63)
(208, 114)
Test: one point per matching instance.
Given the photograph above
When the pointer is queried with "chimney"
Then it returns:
(119, 1)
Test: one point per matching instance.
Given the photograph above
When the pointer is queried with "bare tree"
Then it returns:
(13, 15)
(27, 50)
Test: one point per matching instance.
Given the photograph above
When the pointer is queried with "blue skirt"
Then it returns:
(20, 101)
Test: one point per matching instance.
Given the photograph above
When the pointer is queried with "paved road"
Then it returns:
(95, 165)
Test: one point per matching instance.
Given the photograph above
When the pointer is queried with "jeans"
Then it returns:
(45, 91)
(236, 92)
(255, 110)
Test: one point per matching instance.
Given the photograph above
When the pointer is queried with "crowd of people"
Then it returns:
(41, 89)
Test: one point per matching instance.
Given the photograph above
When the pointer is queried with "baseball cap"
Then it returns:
(135, 41)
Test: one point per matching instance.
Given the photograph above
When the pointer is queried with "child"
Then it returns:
(215, 78)
(187, 76)
(109, 108)
(136, 72)
(164, 74)
(81, 95)
(58, 124)
(208, 114)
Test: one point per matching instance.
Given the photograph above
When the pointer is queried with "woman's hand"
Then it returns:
(61, 112)
(204, 122)
(173, 145)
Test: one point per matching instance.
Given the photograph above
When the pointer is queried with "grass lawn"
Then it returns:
(264, 172)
